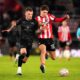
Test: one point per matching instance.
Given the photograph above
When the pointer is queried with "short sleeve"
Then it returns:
(52, 17)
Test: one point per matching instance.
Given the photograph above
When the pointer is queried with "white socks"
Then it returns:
(19, 70)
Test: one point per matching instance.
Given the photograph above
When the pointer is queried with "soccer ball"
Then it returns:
(64, 72)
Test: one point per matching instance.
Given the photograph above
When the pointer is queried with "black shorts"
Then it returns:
(62, 44)
(26, 43)
(50, 46)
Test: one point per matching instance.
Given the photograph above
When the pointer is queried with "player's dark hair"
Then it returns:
(44, 7)
(28, 9)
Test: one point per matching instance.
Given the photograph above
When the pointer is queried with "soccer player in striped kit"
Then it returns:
(65, 39)
(46, 36)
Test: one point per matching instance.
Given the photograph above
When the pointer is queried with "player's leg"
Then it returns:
(24, 55)
(52, 55)
(42, 48)
(51, 49)
(61, 49)
(47, 55)
(2, 42)
(11, 53)
(15, 53)
(61, 53)
(12, 48)
(22, 59)
(67, 52)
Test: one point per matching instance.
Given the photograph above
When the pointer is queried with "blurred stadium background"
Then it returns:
(14, 9)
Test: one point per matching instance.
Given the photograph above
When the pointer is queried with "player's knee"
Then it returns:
(42, 49)
(21, 57)
(23, 61)
(23, 51)
(53, 58)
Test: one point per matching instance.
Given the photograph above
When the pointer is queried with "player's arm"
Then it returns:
(53, 18)
(13, 24)
(39, 25)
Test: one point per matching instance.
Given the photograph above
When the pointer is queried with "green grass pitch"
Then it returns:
(31, 69)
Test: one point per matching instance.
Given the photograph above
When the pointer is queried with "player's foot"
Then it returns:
(42, 68)
(19, 74)
(19, 71)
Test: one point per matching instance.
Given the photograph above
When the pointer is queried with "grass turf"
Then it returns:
(31, 69)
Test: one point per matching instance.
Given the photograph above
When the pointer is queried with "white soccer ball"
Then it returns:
(64, 72)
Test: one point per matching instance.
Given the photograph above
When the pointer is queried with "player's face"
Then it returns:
(43, 13)
(64, 23)
(29, 15)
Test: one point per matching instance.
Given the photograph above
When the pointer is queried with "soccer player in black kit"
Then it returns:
(7, 32)
(28, 30)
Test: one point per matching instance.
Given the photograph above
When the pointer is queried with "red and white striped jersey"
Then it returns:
(64, 33)
(47, 22)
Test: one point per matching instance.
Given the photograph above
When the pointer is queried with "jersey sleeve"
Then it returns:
(59, 19)
(52, 17)
(18, 22)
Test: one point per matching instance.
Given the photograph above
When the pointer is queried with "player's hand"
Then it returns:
(41, 30)
(67, 16)
(38, 31)
(24, 59)
(13, 23)
(41, 24)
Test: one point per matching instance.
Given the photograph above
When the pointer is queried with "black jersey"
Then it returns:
(5, 24)
(28, 28)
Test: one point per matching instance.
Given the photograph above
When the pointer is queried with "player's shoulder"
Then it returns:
(37, 17)
(51, 15)
(20, 20)
(34, 21)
